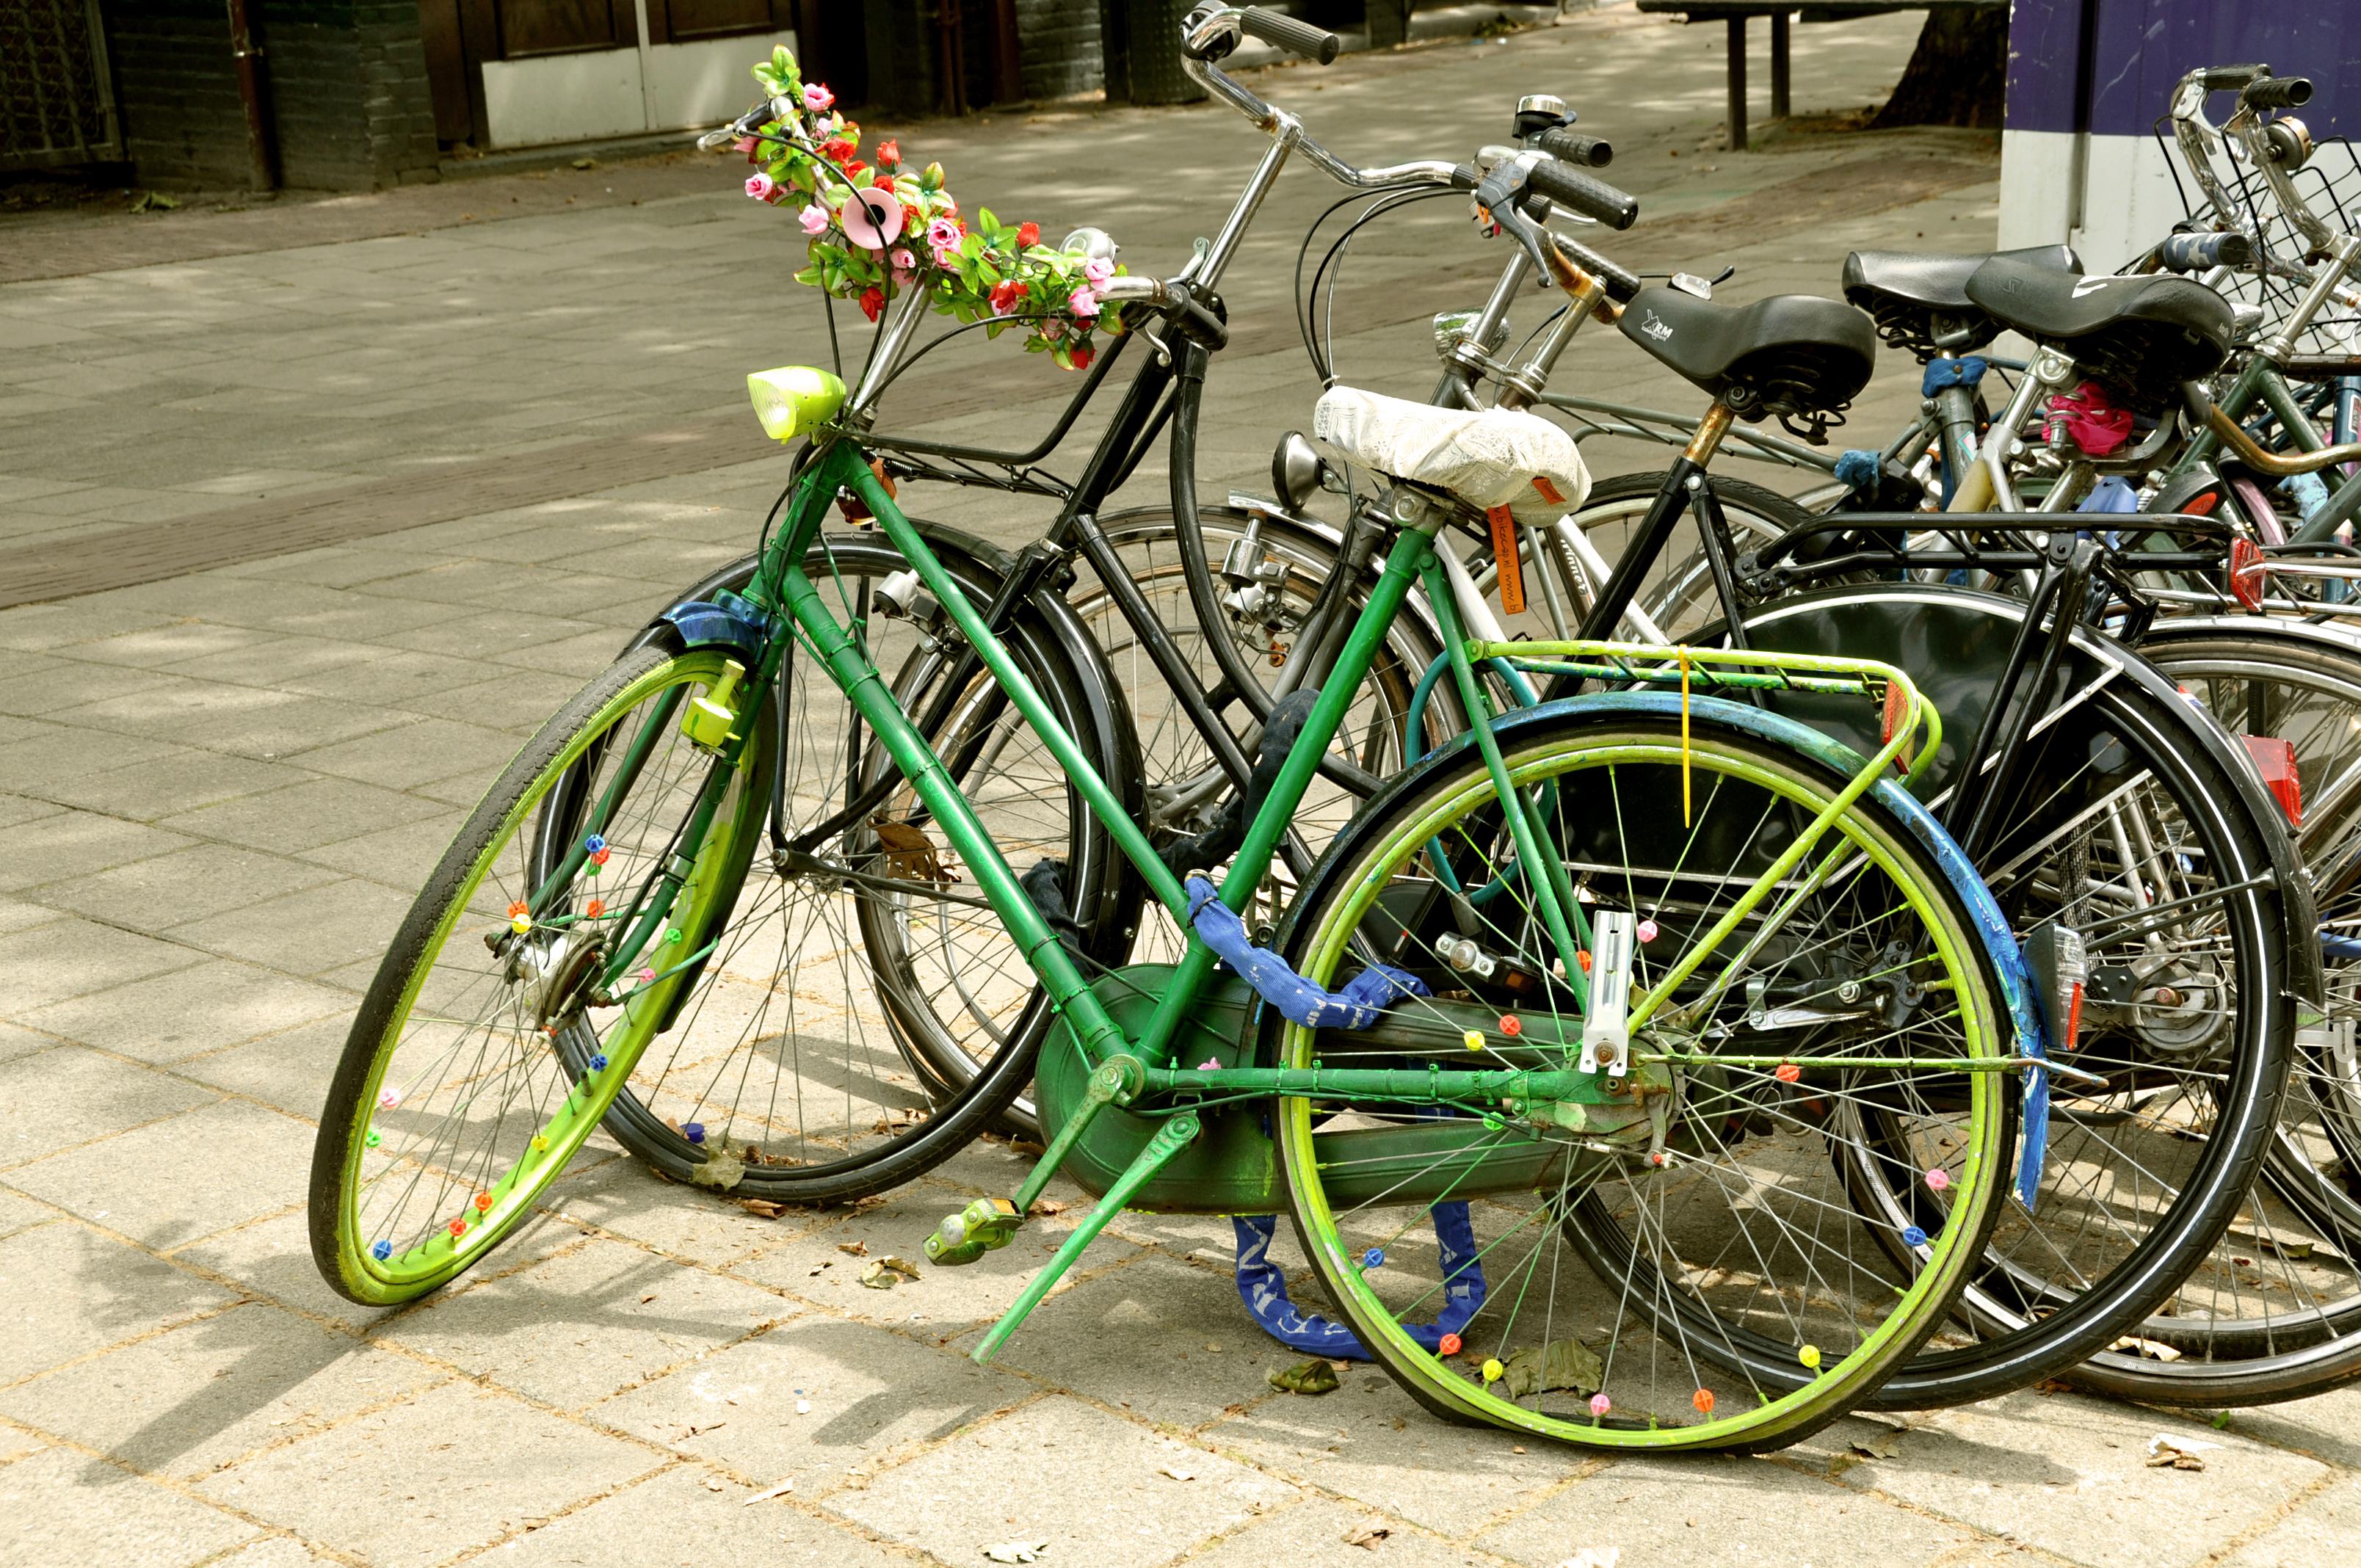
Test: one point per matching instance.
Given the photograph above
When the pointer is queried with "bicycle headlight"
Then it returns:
(794, 399)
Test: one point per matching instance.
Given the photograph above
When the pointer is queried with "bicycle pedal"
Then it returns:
(985, 1225)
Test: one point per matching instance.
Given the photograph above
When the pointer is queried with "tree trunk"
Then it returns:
(1957, 75)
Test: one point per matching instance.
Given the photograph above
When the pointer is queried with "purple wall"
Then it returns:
(2136, 50)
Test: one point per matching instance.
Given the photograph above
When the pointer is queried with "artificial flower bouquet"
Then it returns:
(878, 227)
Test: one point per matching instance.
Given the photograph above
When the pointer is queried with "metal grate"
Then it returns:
(57, 106)
(2330, 184)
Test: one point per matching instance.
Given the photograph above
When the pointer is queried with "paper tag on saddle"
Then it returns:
(1505, 561)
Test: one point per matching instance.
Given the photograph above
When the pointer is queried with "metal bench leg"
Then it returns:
(1738, 84)
(1779, 65)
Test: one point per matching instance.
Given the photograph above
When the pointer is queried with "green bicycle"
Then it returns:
(1567, 1059)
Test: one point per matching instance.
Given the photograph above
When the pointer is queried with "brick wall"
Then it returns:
(347, 86)
(1059, 43)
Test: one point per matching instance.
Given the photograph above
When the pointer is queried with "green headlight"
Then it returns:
(794, 399)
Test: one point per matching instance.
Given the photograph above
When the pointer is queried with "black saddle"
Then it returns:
(1792, 355)
(2140, 337)
(1920, 303)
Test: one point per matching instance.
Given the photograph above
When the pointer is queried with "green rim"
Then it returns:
(407, 1275)
(1947, 1258)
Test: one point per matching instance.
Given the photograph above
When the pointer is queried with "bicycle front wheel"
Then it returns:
(1690, 1273)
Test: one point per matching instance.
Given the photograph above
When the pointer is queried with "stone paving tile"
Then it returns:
(19, 1042)
(169, 890)
(416, 753)
(872, 1394)
(2326, 1425)
(171, 644)
(1133, 1512)
(68, 684)
(690, 1515)
(289, 1069)
(2319, 1529)
(941, 1302)
(403, 857)
(457, 1467)
(188, 1402)
(303, 816)
(247, 721)
(624, 1197)
(62, 1507)
(2068, 1475)
(588, 1323)
(17, 808)
(169, 1182)
(1313, 1534)
(75, 845)
(179, 778)
(1165, 1341)
(309, 933)
(1370, 1441)
(517, 704)
(271, 1552)
(21, 1213)
(65, 1096)
(204, 1007)
(1693, 1513)
(66, 1291)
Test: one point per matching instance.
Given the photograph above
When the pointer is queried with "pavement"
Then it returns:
(309, 511)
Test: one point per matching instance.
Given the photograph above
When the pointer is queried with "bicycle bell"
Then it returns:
(1539, 112)
(1094, 243)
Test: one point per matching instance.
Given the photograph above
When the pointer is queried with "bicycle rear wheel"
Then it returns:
(1703, 1282)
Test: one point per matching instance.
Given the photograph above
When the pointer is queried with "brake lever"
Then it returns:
(1498, 197)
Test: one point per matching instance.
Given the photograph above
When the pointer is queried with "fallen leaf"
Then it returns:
(1314, 1376)
(722, 1170)
(1595, 1557)
(1016, 1551)
(877, 1276)
(1875, 1447)
(648, 1298)
(1042, 1206)
(781, 1490)
(1180, 1472)
(858, 1249)
(2154, 1350)
(2165, 1452)
(868, 1203)
(1367, 1536)
(901, 1265)
(763, 1206)
(1564, 1364)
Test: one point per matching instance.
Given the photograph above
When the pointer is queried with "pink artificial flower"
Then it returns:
(749, 145)
(816, 97)
(1083, 304)
(1052, 329)
(814, 218)
(1099, 271)
(904, 264)
(762, 187)
(1006, 295)
(943, 234)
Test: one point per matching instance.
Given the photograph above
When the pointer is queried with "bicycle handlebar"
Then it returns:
(1572, 146)
(1282, 31)
(2204, 252)
(2276, 92)
(1584, 194)
(2230, 77)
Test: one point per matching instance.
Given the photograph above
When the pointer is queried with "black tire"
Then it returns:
(2133, 738)
(946, 1101)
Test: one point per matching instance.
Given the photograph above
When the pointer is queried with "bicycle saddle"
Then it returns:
(1791, 354)
(2140, 336)
(1917, 299)
(1487, 457)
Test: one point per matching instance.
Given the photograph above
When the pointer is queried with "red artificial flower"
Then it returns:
(1081, 356)
(1005, 294)
(836, 149)
(855, 166)
(872, 301)
(1027, 236)
(889, 153)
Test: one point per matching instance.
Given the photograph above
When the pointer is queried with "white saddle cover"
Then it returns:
(1488, 457)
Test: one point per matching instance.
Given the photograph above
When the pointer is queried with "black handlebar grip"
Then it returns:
(1285, 32)
(2230, 77)
(2203, 252)
(2278, 93)
(1594, 198)
(1575, 146)
(1621, 282)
